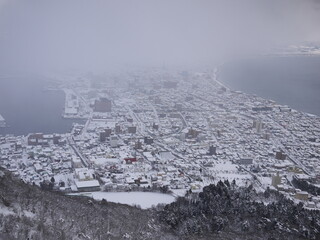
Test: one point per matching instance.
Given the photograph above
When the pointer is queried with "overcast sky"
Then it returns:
(94, 35)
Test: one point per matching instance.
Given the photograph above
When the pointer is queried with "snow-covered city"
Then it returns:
(168, 132)
(159, 120)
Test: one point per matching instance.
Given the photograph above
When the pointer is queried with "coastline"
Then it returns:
(287, 99)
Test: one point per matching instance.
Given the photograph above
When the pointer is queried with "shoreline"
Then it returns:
(217, 79)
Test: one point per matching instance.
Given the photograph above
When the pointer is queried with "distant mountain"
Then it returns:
(222, 211)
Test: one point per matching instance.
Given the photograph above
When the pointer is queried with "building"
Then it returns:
(114, 141)
(192, 133)
(245, 161)
(132, 129)
(138, 145)
(148, 140)
(301, 195)
(280, 155)
(117, 129)
(36, 139)
(130, 120)
(301, 177)
(155, 126)
(108, 132)
(212, 151)
(56, 139)
(258, 125)
(84, 174)
(182, 136)
(70, 111)
(102, 136)
(170, 84)
(86, 181)
(266, 136)
(76, 162)
(276, 180)
(262, 109)
(166, 156)
(130, 160)
(104, 161)
(102, 105)
(88, 186)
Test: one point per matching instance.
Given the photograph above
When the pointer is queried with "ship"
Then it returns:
(2, 122)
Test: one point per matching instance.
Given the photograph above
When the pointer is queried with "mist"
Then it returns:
(159, 119)
(41, 35)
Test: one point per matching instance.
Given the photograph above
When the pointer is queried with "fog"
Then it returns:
(204, 106)
(40, 35)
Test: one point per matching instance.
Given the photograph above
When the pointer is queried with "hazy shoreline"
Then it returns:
(296, 86)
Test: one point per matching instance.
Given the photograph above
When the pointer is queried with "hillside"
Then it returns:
(27, 212)
(222, 211)
(240, 213)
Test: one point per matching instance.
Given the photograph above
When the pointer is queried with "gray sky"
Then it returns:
(97, 34)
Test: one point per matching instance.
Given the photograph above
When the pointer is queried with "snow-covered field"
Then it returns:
(143, 199)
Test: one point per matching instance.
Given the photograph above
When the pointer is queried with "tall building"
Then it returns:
(114, 141)
(258, 125)
(276, 180)
(212, 150)
(117, 129)
(108, 132)
(102, 136)
(132, 129)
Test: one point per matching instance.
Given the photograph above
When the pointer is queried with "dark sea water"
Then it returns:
(27, 108)
(292, 81)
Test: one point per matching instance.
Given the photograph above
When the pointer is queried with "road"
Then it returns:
(84, 160)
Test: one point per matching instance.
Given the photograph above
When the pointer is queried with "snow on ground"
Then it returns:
(225, 166)
(143, 199)
(266, 181)
(226, 170)
(28, 214)
(66, 178)
(179, 192)
(233, 176)
(6, 211)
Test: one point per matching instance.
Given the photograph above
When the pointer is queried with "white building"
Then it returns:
(114, 141)
(88, 186)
